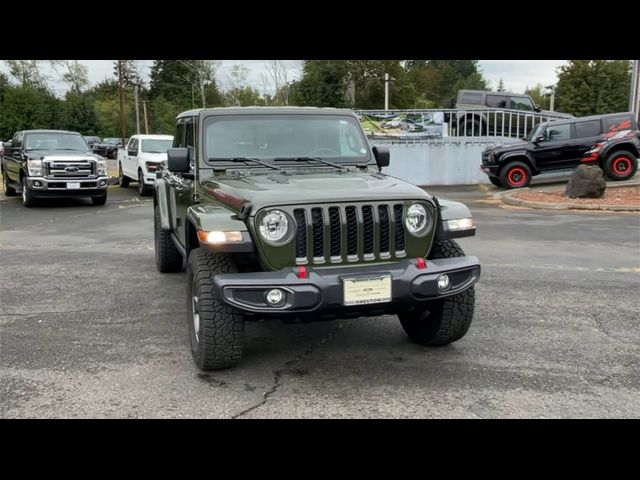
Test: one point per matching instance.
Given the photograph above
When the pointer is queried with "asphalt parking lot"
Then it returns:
(89, 328)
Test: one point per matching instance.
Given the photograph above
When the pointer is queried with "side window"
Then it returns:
(555, 133)
(521, 103)
(133, 145)
(178, 140)
(615, 124)
(496, 101)
(17, 140)
(588, 129)
(471, 98)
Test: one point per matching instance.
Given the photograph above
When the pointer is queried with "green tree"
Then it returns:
(437, 80)
(73, 73)
(591, 87)
(27, 107)
(500, 86)
(28, 73)
(78, 114)
(538, 95)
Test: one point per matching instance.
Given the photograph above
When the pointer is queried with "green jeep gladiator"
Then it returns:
(284, 213)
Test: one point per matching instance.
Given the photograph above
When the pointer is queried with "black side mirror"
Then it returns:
(536, 108)
(178, 160)
(538, 139)
(8, 144)
(133, 153)
(382, 155)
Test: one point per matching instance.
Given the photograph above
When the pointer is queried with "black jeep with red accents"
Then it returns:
(610, 141)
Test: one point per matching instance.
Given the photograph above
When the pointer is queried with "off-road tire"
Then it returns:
(441, 322)
(218, 342)
(101, 200)
(620, 165)
(496, 181)
(143, 189)
(28, 200)
(123, 180)
(515, 175)
(8, 190)
(168, 258)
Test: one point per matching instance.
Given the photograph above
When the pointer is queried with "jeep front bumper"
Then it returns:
(322, 291)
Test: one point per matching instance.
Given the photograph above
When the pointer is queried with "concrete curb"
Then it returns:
(508, 198)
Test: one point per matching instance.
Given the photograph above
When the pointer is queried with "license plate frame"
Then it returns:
(368, 290)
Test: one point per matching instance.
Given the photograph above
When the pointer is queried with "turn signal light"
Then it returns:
(217, 237)
(421, 263)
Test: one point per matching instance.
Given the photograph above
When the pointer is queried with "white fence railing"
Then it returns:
(482, 125)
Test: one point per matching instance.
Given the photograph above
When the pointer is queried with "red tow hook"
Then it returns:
(421, 263)
(302, 272)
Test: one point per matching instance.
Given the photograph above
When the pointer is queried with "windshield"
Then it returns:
(536, 132)
(111, 141)
(154, 145)
(55, 141)
(269, 136)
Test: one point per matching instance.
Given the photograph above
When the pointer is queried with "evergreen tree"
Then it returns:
(591, 87)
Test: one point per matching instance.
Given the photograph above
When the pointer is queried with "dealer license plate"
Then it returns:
(73, 185)
(367, 290)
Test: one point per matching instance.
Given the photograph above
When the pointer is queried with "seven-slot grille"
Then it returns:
(74, 168)
(351, 233)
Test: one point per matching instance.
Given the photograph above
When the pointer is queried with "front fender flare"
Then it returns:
(519, 154)
(160, 200)
(451, 210)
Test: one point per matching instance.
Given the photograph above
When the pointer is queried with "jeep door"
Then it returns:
(587, 134)
(520, 122)
(180, 186)
(496, 120)
(556, 149)
(130, 158)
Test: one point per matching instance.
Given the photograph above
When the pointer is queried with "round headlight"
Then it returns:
(418, 220)
(276, 228)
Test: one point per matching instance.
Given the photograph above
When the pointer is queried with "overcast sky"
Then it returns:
(517, 75)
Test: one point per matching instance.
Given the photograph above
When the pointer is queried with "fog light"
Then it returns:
(37, 184)
(443, 282)
(275, 297)
(103, 183)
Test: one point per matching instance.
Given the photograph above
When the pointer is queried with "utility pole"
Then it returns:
(635, 88)
(386, 92)
(123, 132)
(553, 96)
(135, 95)
(146, 122)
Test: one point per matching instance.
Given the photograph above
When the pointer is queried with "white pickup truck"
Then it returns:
(139, 160)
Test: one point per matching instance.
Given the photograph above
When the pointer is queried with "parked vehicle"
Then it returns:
(91, 140)
(108, 148)
(139, 161)
(610, 141)
(283, 213)
(52, 163)
(473, 121)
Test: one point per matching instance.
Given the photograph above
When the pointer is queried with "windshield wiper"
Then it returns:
(245, 160)
(306, 159)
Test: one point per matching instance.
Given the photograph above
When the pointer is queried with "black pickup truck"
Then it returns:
(52, 163)
(610, 141)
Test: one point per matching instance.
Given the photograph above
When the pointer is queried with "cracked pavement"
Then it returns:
(90, 329)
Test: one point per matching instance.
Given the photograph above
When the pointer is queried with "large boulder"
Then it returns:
(587, 181)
